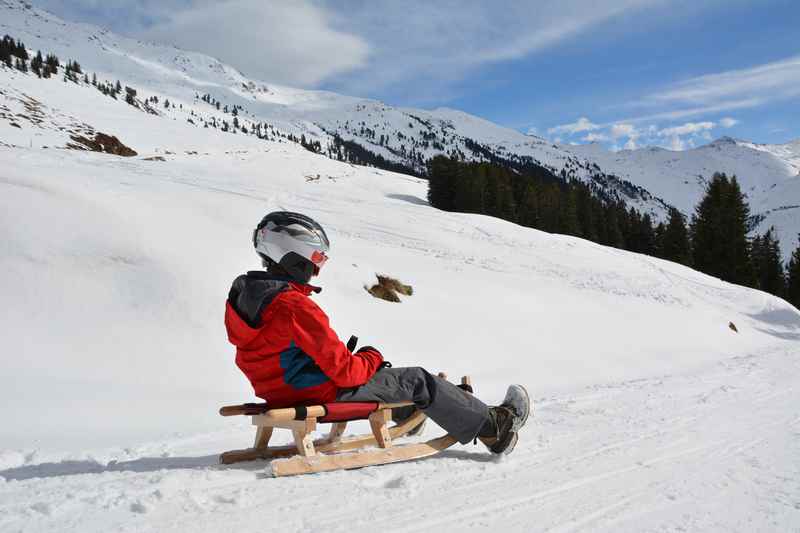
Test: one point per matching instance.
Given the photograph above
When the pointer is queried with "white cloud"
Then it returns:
(285, 42)
(595, 137)
(631, 144)
(776, 80)
(724, 91)
(689, 128)
(623, 130)
(728, 122)
(676, 143)
(580, 125)
(431, 46)
(412, 51)
(677, 114)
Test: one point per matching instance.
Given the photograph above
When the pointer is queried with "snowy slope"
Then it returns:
(115, 358)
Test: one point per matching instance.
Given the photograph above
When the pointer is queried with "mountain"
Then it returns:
(405, 136)
(768, 174)
(402, 139)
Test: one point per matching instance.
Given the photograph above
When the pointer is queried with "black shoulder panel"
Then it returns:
(251, 293)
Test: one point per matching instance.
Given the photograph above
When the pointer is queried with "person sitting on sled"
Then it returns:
(287, 349)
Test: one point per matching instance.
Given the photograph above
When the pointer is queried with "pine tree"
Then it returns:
(37, 64)
(549, 206)
(470, 190)
(21, 52)
(568, 219)
(529, 207)
(130, 96)
(5, 51)
(766, 254)
(793, 278)
(673, 239)
(443, 174)
(52, 63)
(719, 233)
(614, 236)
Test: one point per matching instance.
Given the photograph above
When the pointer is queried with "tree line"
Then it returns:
(714, 241)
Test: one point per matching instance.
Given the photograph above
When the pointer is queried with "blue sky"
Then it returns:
(625, 73)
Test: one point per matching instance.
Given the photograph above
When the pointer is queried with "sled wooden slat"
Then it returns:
(378, 422)
(322, 445)
(263, 434)
(394, 405)
(337, 430)
(324, 463)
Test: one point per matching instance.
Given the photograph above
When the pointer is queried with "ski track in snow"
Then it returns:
(713, 449)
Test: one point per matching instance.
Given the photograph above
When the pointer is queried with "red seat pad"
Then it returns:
(346, 411)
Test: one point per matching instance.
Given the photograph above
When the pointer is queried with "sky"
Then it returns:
(623, 73)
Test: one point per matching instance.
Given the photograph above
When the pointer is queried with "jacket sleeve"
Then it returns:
(313, 335)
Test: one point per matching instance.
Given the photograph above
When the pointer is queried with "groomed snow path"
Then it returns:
(714, 449)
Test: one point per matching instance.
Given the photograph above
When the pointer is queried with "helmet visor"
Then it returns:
(299, 227)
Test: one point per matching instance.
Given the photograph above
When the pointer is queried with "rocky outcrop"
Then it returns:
(102, 142)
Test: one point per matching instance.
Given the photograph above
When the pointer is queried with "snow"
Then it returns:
(651, 413)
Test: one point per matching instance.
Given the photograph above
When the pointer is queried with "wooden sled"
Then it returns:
(308, 456)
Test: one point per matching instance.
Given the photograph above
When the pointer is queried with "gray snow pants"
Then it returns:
(460, 414)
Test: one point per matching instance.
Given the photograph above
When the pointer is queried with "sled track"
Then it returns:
(714, 449)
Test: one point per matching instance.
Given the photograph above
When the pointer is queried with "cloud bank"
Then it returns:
(678, 137)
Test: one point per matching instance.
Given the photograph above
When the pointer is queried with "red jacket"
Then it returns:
(285, 345)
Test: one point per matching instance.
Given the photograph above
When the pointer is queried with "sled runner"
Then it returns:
(321, 455)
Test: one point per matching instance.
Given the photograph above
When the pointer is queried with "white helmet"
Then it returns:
(294, 241)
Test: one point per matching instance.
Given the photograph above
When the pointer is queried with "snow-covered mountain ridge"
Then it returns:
(768, 174)
(658, 178)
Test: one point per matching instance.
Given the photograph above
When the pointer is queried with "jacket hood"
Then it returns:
(250, 294)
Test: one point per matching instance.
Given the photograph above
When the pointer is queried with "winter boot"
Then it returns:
(500, 435)
(517, 400)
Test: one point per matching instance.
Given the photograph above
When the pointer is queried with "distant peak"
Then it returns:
(724, 140)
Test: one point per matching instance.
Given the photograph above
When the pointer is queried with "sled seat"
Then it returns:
(325, 413)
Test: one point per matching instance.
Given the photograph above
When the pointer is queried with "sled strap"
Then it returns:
(300, 412)
(345, 411)
(244, 409)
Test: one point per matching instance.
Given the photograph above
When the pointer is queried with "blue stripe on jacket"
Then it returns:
(299, 369)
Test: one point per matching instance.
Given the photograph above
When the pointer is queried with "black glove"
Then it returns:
(384, 364)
